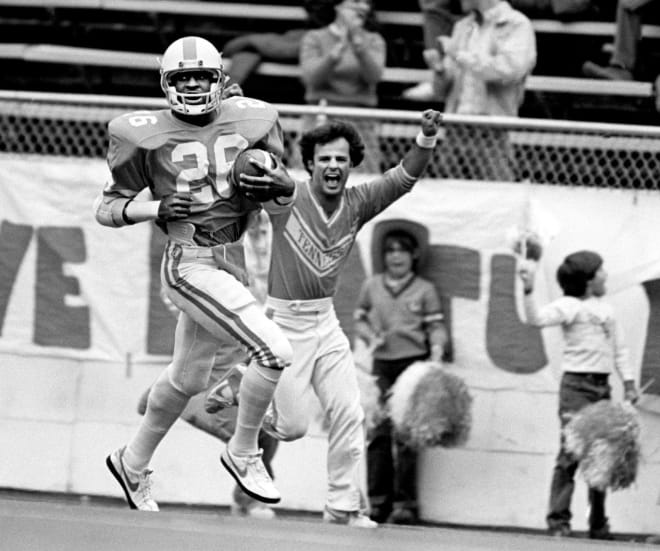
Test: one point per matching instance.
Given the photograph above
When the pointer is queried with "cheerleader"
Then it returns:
(593, 347)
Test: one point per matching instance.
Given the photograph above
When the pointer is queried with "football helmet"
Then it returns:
(192, 53)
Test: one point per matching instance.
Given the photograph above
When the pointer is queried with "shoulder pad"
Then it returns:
(138, 126)
(240, 107)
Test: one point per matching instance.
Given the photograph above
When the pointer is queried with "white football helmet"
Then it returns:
(192, 53)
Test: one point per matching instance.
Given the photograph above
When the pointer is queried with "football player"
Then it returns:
(183, 155)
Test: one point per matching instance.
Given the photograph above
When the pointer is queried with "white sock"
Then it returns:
(257, 389)
(164, 406)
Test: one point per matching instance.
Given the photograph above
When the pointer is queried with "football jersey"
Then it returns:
(309, 248)
(156, 150)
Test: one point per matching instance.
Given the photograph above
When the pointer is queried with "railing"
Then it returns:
(472, 148)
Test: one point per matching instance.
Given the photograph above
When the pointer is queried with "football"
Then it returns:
(242, 165)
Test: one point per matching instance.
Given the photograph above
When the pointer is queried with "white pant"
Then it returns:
(322, 364)
(214, 306)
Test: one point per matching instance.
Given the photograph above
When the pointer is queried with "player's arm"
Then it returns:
(117, 208)
(126, 198)
(419, 154)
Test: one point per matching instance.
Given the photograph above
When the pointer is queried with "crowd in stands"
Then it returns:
(464, 42)
(623, 56)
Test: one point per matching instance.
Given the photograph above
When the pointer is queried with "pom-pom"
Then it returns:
(605, 439)
(400, 395)
(526, 244)
(242, 165)
(430, 407)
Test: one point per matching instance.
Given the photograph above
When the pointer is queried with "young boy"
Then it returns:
(593, 345)
(400, 315)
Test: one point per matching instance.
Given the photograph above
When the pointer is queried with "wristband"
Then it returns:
(426, 142)
(124, 216)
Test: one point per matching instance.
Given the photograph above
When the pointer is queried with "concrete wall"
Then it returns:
(60, 418)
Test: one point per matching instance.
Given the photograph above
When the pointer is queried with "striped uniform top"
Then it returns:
(156, 150)
(309, 248)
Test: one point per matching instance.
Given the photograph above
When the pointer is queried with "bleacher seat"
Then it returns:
(145, 27)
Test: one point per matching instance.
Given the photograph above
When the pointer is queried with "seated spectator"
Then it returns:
(627, 36)
(248, 51)
(342, 64)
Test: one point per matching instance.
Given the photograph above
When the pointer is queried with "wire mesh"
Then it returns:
(472, 148)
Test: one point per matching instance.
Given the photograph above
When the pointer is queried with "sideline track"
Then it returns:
(54, 525)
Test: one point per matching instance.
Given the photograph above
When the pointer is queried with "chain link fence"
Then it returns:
(472, 148)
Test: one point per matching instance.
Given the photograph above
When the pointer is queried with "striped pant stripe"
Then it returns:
(218, 314)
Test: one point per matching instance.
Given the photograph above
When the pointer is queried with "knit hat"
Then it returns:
(576, 271)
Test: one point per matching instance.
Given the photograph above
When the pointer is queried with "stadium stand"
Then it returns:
(110, 47)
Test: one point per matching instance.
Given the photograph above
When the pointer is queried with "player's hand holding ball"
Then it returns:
(260, 176)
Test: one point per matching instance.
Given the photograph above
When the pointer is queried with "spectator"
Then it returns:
(342, 64)
(399, 316)
(594, 345)
(438, 18)
(309, 249)
(489, 55)
(486, 61)
(248, 51)
(627, 36)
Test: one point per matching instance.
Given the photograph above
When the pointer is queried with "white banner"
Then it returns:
(73, 288)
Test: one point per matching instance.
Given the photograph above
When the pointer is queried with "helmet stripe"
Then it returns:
(189, 48)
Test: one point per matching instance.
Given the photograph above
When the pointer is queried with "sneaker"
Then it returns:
(402, 515)
(255, 509)
(609, 72)
(421, 92)
(137, 492)
(602, 533)
(560, 531)
(224, 393)
(269, 423)
(250, 474)
(356, 519)
(433, 59)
